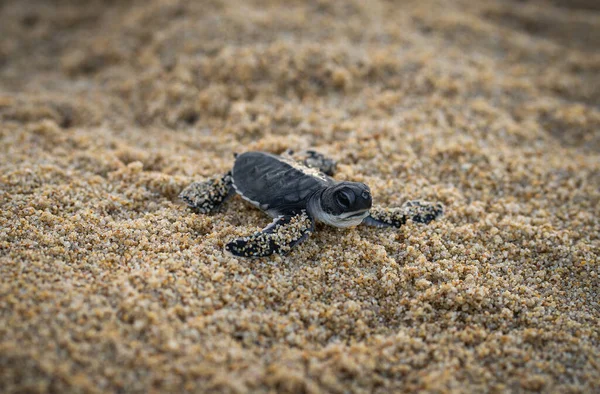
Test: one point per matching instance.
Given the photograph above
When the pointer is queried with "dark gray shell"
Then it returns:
(275, 184)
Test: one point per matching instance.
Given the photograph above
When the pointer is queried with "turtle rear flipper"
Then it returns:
(279, 237)
(207, 196)
(417, 211)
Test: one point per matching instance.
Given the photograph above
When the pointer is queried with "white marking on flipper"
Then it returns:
(278, 237)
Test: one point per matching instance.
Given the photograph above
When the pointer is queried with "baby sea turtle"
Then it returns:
(296, 194)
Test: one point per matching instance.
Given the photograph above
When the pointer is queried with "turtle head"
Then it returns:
(345, 204)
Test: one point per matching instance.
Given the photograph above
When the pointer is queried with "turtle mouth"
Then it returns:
(360, 214)
(357, 215)
(349, 219)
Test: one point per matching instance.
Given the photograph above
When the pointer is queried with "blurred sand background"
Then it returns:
(109, 108)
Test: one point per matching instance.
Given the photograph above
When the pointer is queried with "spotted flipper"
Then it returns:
(417, 211)
(279, 237)
(205, 197)
(313, 159)
(316, 160)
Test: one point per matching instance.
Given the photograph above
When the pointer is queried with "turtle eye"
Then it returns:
(343, 200)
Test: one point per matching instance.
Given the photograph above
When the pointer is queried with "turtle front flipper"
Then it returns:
(279, 237)
(417, 211)
(316, 160)
(313, 159)
(207, 196)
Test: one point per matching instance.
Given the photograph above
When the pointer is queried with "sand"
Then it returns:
(108, 109)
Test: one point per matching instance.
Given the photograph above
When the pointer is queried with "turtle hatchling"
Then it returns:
(297, 194)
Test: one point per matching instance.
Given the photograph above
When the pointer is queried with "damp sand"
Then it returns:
(108, 283)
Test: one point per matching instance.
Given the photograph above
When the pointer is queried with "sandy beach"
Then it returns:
(109, 283)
